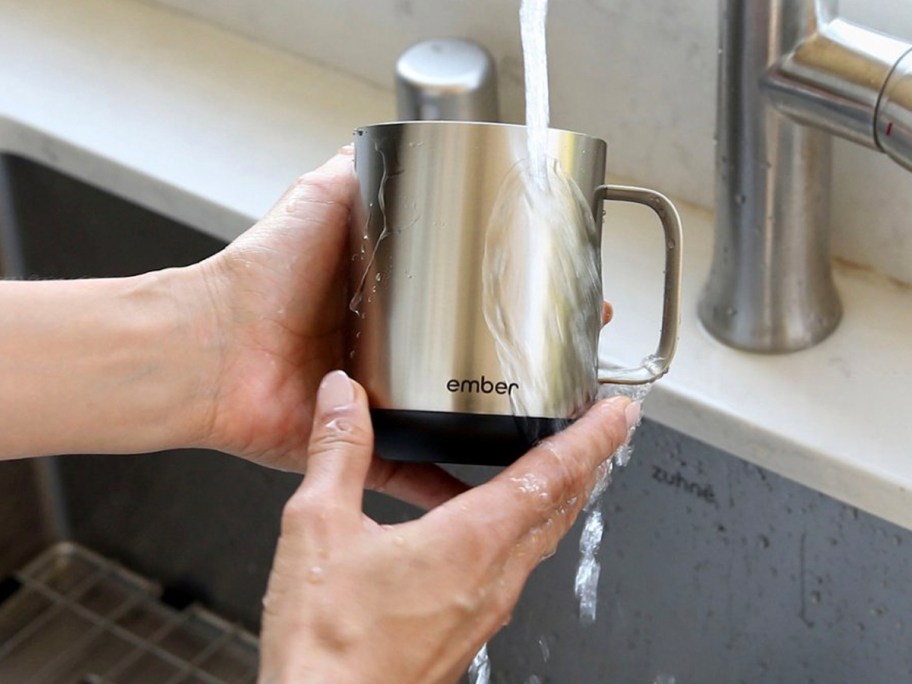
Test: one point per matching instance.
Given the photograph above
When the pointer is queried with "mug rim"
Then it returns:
(472, 124)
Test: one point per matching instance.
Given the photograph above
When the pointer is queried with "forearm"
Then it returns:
(100, 366)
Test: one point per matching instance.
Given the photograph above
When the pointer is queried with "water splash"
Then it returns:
(542, 291)
(358, 297)
(587, 574)
(589, 568)
(544, 648)
(480, 669)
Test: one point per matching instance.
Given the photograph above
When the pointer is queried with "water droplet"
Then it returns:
(544, 648)
(378, 278)
(356, 301)
(740, 199)
(315, 575)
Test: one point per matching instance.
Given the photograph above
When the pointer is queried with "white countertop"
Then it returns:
(209, 129)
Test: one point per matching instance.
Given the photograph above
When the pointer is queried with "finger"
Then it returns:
(320, 197)
(554, 479)
(607, 313)
(425, 485)
(341, 443)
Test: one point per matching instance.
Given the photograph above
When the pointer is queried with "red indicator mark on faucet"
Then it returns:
(889, 128)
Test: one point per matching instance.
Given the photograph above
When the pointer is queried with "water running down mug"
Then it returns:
(475, 285)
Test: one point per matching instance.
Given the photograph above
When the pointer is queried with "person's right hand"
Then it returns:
(351, 601)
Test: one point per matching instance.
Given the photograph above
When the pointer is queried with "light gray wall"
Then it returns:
(641, 75)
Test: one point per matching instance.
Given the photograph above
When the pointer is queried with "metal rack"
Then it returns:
(73, 617)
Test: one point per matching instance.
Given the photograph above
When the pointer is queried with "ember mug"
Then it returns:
(476, 288)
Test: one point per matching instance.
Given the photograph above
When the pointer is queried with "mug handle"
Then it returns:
(656, 365)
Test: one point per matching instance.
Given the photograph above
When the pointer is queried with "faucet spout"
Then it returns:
(791, 74)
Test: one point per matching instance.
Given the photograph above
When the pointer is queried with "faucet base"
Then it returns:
(802, 328)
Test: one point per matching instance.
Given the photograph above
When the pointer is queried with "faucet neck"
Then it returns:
(833, 77)
(791, 73)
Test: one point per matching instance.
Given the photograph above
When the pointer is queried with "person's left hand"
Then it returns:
(276, 313)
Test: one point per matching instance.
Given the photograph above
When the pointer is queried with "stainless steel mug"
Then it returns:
(476, 287)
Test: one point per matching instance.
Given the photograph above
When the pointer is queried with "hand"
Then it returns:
(353, 601)
(277, 311)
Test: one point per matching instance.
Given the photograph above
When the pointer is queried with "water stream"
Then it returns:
(543, 202)
(587, 573)
(532, 16)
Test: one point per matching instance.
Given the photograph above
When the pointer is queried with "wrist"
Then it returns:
(301, 660)
(116, 365)
(194, 337)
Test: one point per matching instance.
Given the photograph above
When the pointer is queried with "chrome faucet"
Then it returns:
(791, 73)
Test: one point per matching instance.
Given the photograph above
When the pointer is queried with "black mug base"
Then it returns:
(458, 438)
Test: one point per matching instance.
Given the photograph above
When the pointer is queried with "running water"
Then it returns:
(532, 15)
(523, 204)
(540, 209)
(542, 287)
(542, 290)
(587, 572)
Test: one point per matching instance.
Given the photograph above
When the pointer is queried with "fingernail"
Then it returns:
(347, 149)
(336, 391)
(632, 414)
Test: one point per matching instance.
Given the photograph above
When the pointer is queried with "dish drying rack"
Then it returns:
(73, 617)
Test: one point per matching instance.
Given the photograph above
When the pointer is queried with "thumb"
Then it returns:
(341, 443)
(315, 208)
(319, 198)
